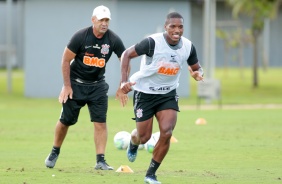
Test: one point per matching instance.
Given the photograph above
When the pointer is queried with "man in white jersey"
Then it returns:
(163, 57)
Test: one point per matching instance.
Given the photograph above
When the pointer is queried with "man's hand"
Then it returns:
(123, 98)
(196, 75)
(126, 86)
(65, 94)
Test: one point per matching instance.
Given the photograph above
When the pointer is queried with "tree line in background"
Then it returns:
(258, 11)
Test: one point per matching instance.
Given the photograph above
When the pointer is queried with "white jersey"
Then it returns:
(160, 73)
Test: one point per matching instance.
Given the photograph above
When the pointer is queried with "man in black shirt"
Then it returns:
(83, 68)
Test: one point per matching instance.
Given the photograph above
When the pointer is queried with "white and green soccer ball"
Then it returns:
(151, 143)
(141, 146)
(122, 139)
(156, 136)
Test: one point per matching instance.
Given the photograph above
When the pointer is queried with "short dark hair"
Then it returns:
(174, 15)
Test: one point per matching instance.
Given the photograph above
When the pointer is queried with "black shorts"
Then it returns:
(96, 98)
(147, 105)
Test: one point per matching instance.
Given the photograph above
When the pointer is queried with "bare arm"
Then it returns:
(196, 72)
(126, 57)
(128, 70)
(66, 92)
(125, 86)
(122, 97)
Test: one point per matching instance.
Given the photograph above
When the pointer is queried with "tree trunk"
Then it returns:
(240, 55)
(255, 59)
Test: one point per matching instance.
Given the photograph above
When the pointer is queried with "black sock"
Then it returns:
(56, 150)
(133, 146)
(100, 157)
(152, 168)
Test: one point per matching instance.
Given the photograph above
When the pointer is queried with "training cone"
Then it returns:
(124, 169)
(200, 121)
(173, 139)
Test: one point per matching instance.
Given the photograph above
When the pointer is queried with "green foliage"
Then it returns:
(258, 10)
(231, 39)
(266, 8)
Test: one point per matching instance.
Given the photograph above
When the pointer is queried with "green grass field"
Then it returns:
(235, 146)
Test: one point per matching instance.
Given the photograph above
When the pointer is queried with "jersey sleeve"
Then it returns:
(75, 42)
(193, 58)
(118, 46)
(146, 46)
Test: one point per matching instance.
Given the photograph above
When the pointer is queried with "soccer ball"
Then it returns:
(156, 136)
(141, 146)
(122, 140)
(150, 144)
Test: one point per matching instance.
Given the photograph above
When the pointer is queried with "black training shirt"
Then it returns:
(92, 54)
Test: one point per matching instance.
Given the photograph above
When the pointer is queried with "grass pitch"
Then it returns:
(235, 146)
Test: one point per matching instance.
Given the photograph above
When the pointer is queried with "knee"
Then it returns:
(62, 125)
(165, 135)
(144, 138)
(100, 126)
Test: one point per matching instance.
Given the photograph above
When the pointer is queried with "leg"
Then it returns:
(144, 113)
(167, 121)
(69, 115)
(100, 137)
(98, 107)
(60, 134)
(139, 136)
(143, 132)
(100, 140)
